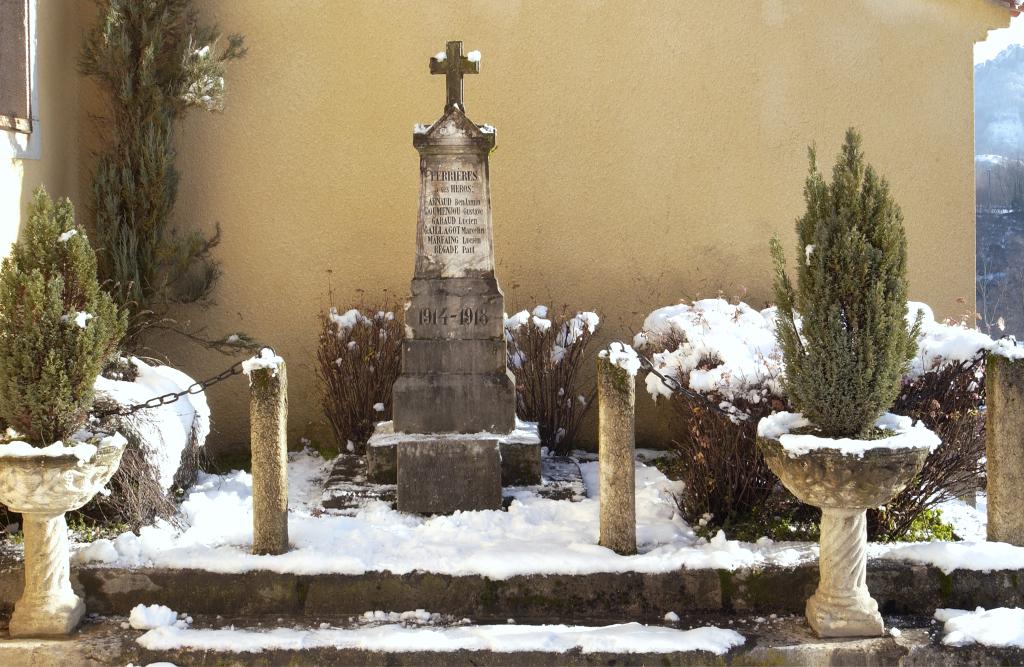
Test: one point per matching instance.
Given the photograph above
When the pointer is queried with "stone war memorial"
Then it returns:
(693, 377)
(453, 435)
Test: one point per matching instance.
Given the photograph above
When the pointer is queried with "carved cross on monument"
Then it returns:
(453, 66)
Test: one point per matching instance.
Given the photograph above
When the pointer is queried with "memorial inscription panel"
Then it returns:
(455, 234)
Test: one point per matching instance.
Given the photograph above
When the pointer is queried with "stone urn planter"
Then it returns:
(42, 484)
(844, 477)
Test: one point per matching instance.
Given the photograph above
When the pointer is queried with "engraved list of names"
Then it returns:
(454, 237)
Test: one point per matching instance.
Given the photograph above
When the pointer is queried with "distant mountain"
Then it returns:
(999, 104)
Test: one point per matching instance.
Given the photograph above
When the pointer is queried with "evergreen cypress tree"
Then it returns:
(154, 62)
(57, 327)
(846, 358)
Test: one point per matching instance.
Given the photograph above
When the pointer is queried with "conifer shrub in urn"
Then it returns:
(847, 343)
(57, 329)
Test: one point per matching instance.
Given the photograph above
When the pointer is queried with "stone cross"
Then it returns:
(453, 66)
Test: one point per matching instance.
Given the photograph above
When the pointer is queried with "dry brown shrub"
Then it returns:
(726, 477)
(723, 471)
(547, 362)
(949, 402)
(358, 361)
(136, 497)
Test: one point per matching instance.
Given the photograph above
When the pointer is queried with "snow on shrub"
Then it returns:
(943, 343)
(359, 358)
(716, 348)
(727, 353)
(546, 354)
(165, 443)
(166, 431)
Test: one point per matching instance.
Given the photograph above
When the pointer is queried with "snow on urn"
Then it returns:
(43, 484)
(844, 479)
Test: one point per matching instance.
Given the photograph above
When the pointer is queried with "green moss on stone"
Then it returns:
(728, 587)
(945, 587)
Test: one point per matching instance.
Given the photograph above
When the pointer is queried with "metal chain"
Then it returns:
(674, 386)
(171, 397)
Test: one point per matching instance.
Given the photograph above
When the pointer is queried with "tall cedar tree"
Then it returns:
(845, 361)
(154, 62)
(57, 327)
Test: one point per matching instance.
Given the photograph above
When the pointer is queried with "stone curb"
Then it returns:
(900, 588)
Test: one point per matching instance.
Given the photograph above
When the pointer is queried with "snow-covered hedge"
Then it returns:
(165, 431)
(729, 351)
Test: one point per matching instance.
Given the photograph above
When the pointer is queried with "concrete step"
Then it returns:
(767, 641)
(900, 588)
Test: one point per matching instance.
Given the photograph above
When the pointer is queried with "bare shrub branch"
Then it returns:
(547, 357)
(358, 361)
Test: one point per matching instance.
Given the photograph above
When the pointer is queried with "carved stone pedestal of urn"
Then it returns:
(844, 485)
(42, 488)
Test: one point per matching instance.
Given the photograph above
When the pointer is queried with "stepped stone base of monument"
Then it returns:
(519, 453)
(347, 488)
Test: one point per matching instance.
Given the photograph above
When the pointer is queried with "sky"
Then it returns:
(999, 40)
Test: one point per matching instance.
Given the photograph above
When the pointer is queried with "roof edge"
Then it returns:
(1015, 6)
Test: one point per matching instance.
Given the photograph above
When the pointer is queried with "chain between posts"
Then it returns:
(675, 387)
(172, 397)
(236, 369)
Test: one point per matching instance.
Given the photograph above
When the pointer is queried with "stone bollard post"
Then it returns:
(1004, 445)
(616, 394)
(268, 421)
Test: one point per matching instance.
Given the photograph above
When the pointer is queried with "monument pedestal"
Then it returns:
(463, 474)
(518, 461)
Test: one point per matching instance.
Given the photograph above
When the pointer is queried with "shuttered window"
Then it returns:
(15, 69)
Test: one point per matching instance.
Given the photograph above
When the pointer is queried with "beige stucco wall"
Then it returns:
(57, 161)
(646, 152)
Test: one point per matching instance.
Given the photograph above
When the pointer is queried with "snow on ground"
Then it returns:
(949, 556)
(395, 638)
(535, 536)
(142, 617)
(994, 627)
(973, 553)
(969, 523)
